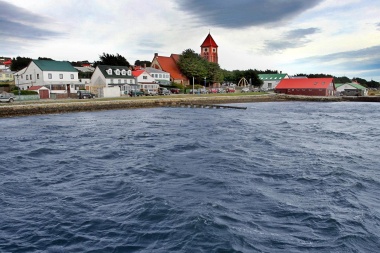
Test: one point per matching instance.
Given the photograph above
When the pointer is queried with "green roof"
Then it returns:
(46, 65)
(355, 85)
(272, 76)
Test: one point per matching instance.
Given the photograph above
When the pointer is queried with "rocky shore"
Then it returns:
(41, 107)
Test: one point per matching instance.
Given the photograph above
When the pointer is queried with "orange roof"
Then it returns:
(305, 83)
(209, 42)
(169, 64)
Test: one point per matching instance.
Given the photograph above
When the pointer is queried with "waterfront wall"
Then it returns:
(14, 110)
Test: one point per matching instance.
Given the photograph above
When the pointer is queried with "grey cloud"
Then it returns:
(16, 22)
(291, 39)
(378, 26)
(244, 13)
(362, 60)
(364, 53)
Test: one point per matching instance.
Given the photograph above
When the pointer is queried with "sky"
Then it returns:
(337, 37)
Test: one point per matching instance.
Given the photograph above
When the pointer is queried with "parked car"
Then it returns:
(82, 94)
(7, 97)
(230, 90)
(244, 90)
(213, 90)
(134, 93)
(163, 91)
(150, 92)
(175, 90)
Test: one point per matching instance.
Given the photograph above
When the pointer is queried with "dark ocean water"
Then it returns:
(277, 177)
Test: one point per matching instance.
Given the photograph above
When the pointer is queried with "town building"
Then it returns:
(57, 76)
(161, 77)
(169, 65)
(106, 77)
(351, 89)
(270, 81)
(144, 80)
(307, 87)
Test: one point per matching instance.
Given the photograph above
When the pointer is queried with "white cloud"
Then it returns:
(83, 30)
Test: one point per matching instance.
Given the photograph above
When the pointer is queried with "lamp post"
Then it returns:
(193, 85)
(205, 82)
(18, 85)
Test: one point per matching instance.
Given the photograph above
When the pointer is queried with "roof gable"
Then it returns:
(46, 65)
(354, 85)
(209, 42)
(169, 64)
(109, 71)
(308, 83)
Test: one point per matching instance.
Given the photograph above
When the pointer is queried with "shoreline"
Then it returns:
(57, 107)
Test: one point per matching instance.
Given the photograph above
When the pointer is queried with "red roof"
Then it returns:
(209, 42)
(169, 64)
(305, 83)
(35, 87)
(137, 73)
(9, 62)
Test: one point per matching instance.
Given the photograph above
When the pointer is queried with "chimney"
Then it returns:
(155, 55)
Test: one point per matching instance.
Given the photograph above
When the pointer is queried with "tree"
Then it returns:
(20, 63)
(45, 58)
(192, 65)
(143, 63)
(113, 60)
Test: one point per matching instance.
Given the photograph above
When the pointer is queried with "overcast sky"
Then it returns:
(338, 37)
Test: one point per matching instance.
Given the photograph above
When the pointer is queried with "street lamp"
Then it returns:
(18, 85)
(193, 85)
(205, 82)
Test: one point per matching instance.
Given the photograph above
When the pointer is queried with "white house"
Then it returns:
(106, 76)
(270, 81)
(57, 76)
(145, 80)
(160, 76)
(351, 89)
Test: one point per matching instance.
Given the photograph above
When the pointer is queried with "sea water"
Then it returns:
(277, 177)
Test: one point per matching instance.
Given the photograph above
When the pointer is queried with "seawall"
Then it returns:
(54, 107)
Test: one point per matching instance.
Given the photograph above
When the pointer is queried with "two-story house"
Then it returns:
(160, 76)
(57, 76)
(106, 76)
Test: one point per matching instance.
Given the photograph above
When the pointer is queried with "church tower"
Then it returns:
(209, 49)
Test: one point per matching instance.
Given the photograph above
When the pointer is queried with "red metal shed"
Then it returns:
(307, 87)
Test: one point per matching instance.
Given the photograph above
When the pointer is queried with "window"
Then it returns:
(129, 72)
(117, 72)
(119, 81)
(27, 77)
(72, 76)
(60, 76)
(145, 77)
(30, 76)
(160, 75)
(111, 80)
(109, 71)
(49, 76)
(130, 81)
(205, 49)
(123, 72)
(214, 50)
(38, 76)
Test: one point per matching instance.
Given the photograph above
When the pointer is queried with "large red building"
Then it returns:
(209, 49)
(307, 86)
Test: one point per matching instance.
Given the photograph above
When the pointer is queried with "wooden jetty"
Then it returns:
(209, 106)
